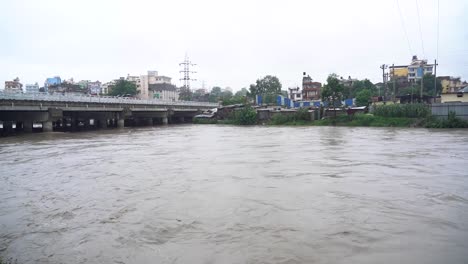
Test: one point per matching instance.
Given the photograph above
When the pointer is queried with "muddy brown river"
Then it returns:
(224, 194)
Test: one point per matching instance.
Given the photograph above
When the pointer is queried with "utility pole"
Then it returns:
(393, 77)
(383, 67)
(422, 86)
(187, 64)
(435, 76)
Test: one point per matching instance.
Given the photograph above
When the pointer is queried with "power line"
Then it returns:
(420, 31)
(404, 28)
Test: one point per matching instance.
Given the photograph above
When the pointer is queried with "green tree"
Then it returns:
(332, 92)
(363, 97)
(242, 92)
(269, 87)
(234, 100)
(199, 96)
(226, 95)
(185, 94)
(358, 86)
(123, 88)
(429, 88)
(409, 90)
(215, 94)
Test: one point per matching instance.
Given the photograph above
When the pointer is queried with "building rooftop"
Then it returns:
(162, 87)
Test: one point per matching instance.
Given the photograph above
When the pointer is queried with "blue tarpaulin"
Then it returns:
(317, 104)
(279, 100)
(420, 72)
(297, 104)
(306, 104)
(259, 99)
(349, 102)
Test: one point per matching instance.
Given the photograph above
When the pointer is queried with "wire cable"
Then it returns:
(404, 28)
(420, 31)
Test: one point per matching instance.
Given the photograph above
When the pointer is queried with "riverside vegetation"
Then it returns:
(397, 115)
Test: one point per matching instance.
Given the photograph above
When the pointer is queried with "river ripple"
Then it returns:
(223, 194)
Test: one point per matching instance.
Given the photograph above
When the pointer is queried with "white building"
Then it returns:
(105, 87)
(163, 91)
(152, 78)
(295, 94)
(417, 69)
(144, 85)
(32, 88)
(14, 86)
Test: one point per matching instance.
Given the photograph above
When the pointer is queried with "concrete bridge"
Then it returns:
(42, 112)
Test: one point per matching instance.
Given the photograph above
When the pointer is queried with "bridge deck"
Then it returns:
(99, 99)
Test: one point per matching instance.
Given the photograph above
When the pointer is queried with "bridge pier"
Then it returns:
(47, 126)
(165, 120)
(28, 126)
(19, 126)
(121, 123)
(149, 121)
(103, 123)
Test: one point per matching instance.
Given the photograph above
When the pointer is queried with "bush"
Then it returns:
(451, 122)
(245, 116)
(366, 120)
(403, 110)
(363, 97)
(299, 117)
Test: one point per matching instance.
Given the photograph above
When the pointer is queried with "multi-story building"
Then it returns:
(418, 68)
(310, 89)
(143, 91)
(450, 84)
(52, 81)
(13, 86)
(67, 88)
(159, 79)
(295, 94)
(94, 88)
(32, 88)
(84, 84)
(163, 91)
(399, 74)
(411, 73)
(347, 83)
(152, 78)
(106, 87)
(136, 80)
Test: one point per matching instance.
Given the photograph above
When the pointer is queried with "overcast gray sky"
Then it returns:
(233, 42)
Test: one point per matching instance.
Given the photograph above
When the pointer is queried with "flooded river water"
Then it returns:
(223, 194)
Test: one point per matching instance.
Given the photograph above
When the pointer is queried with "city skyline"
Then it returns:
(233, 44)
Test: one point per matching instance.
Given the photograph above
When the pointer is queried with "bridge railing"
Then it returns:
(98, 99)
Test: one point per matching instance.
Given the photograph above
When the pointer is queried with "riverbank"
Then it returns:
(361, 120)
(358, 120)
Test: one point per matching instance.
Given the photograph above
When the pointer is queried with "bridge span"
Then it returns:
(42, 112)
